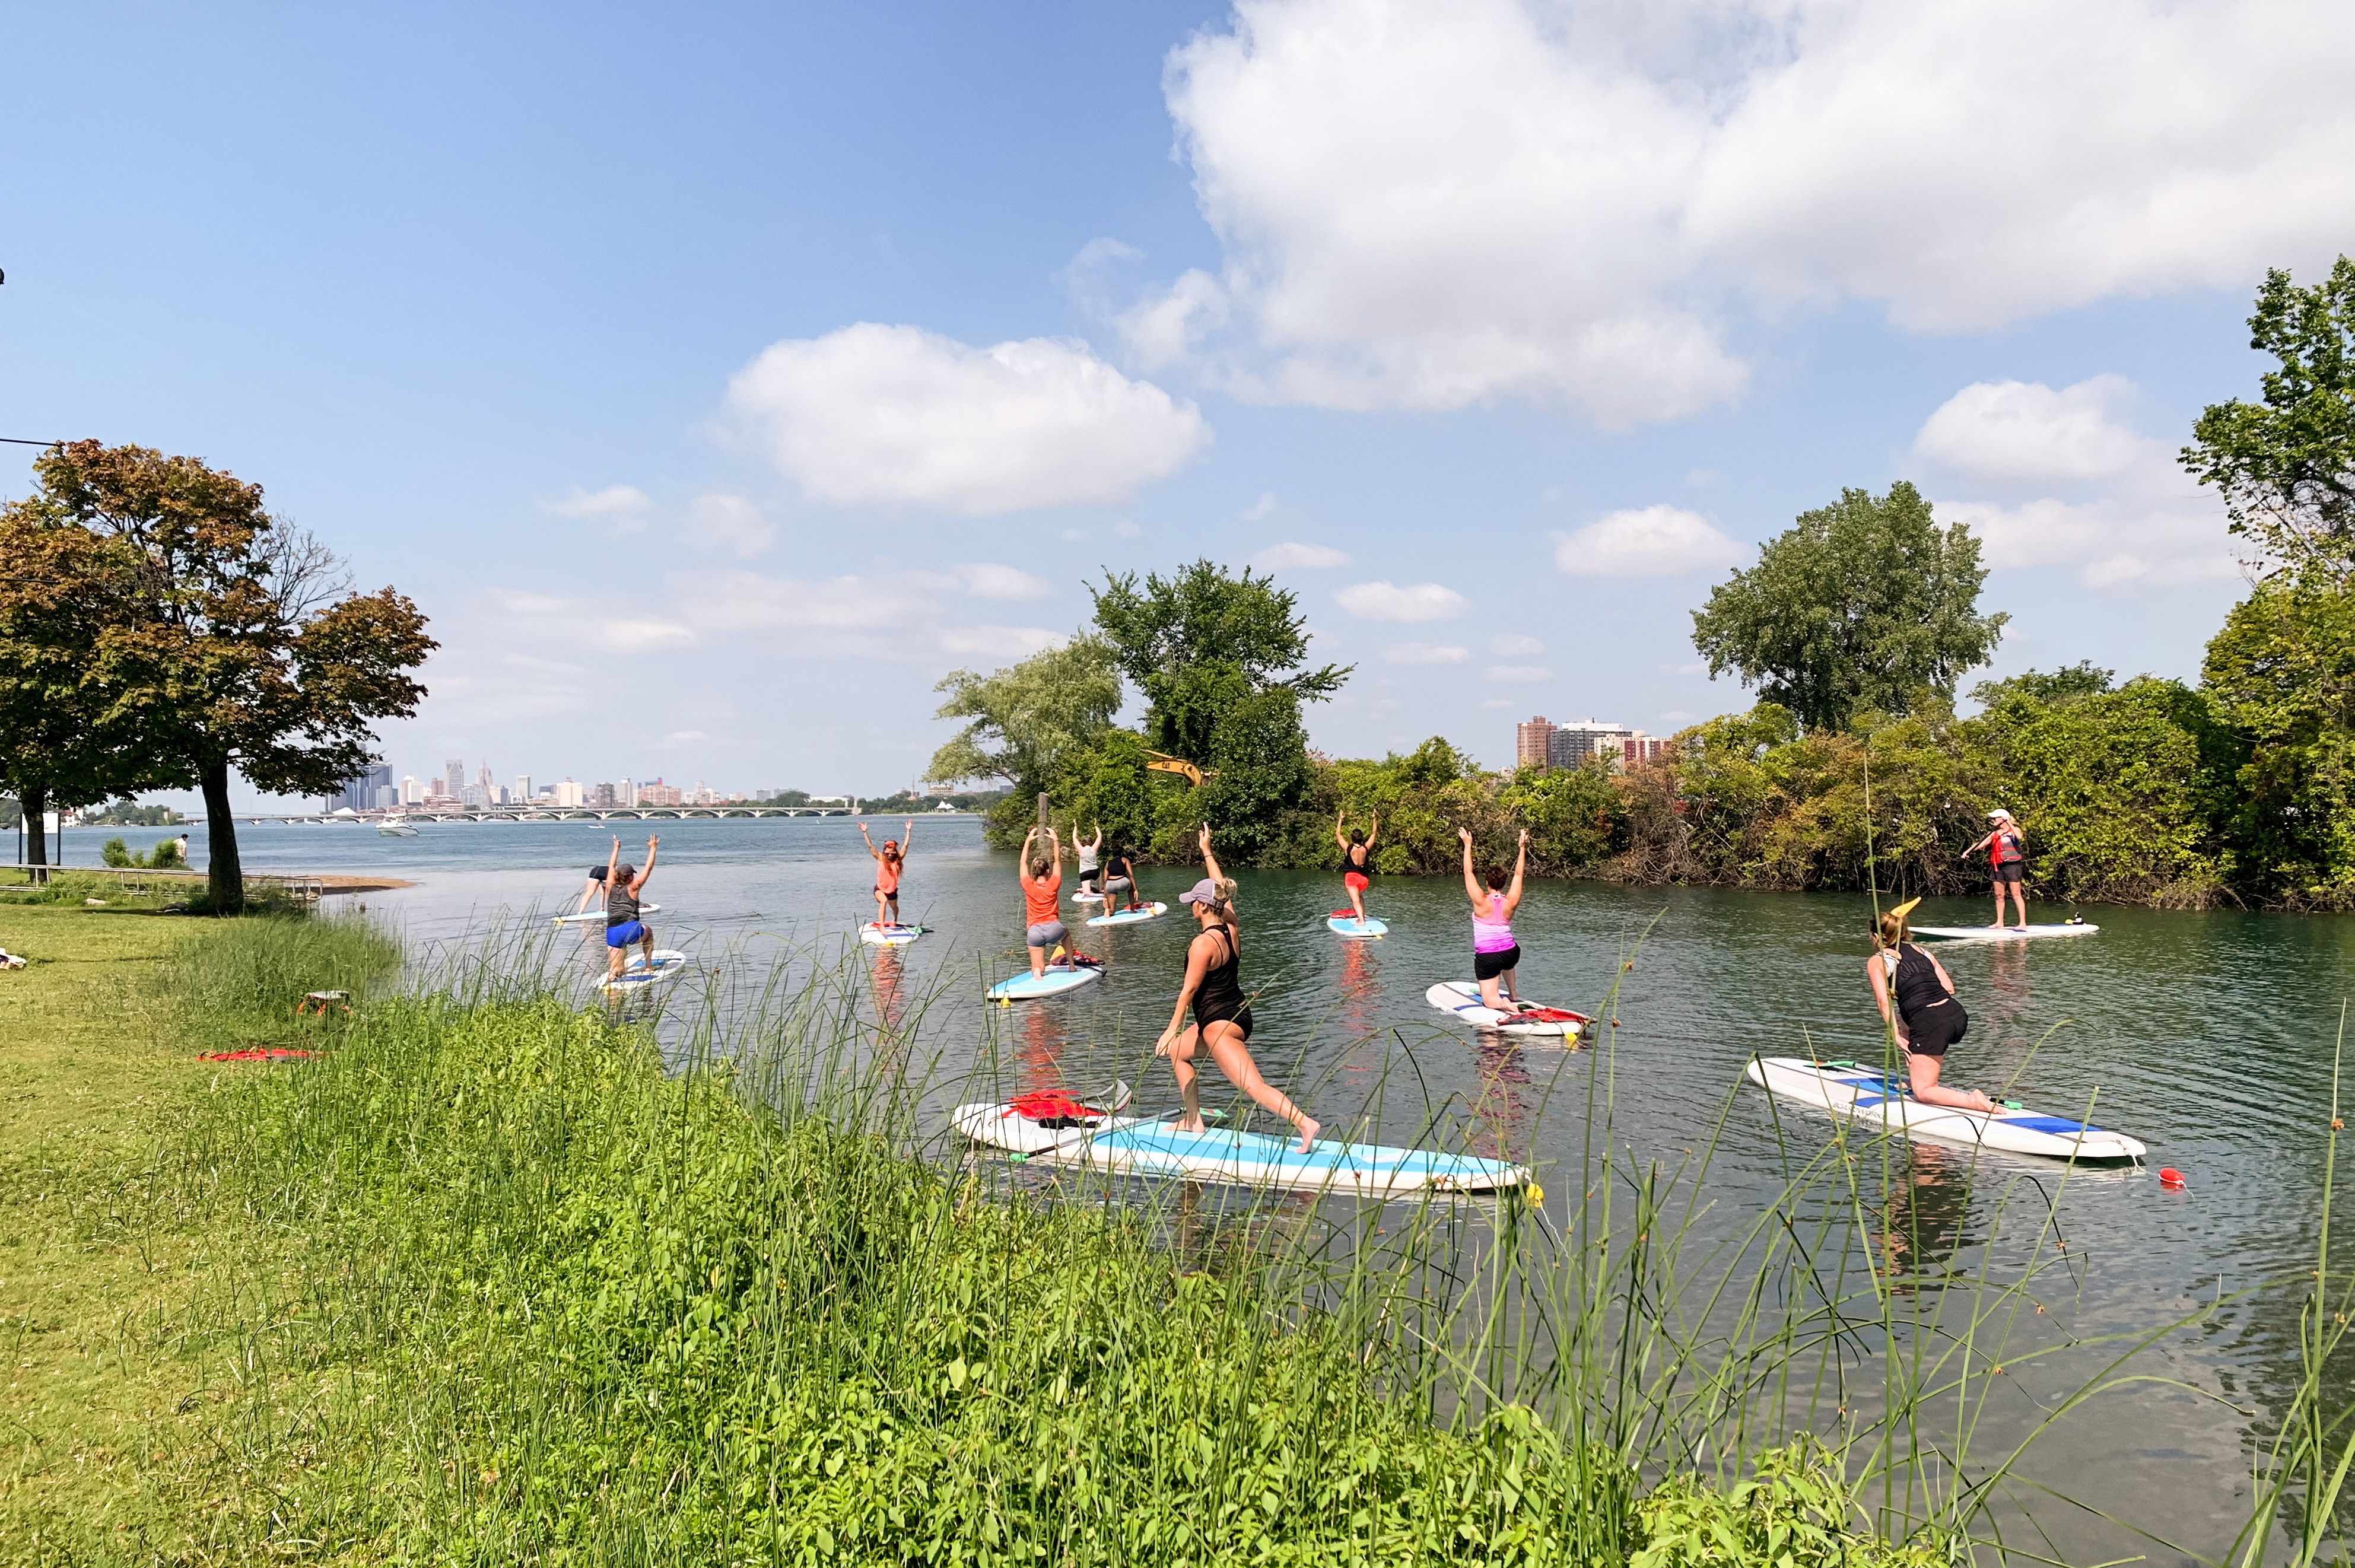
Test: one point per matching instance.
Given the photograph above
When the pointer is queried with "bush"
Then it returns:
(115, 852)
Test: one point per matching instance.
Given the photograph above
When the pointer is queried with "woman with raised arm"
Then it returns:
(1223, 1017)
(1357, 859)
(1040, 876)
(623, 883)
(1495, 951)
(1917, 1002)
(1088, 853)
(890, 861)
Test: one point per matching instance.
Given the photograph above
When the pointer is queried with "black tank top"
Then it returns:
(621, 904)
(1359, 858)
(1219, 996)
(1916, 983)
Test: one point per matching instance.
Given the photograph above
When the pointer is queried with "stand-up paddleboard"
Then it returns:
(638, 975)
(1058, 979)
(879, 934)
(1345, 922)
(597, 916)
(1087, 896)
(2003, 932)
(1868, 1095)
(1131, 914)
(1462, 998)
(1055, 1130)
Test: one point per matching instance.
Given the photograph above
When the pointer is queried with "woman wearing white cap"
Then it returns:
(1222, 1019)
(2007, 853)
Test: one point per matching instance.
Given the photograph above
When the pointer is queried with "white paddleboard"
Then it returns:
(879, 936)
(1131, 915)
(1098, 1139)
(1872, 1098)
(1462, 998)
(1058, 979)
(2002, 932)
(1085, 897)
(597, 916)
(637, 975)
(1345, 924)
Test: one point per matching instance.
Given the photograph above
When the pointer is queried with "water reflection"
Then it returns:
(1923, 1214)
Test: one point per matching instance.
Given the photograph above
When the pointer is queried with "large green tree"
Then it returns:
(1862, 605)
(231, 640)
(1021, 721)
(2285, 465)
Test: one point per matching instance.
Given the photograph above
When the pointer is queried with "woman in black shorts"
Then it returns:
(1222, 1019)
(1917, 1000)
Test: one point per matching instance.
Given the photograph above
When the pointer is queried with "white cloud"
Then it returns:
(623, 504)
(1518, 672)
(1259, 511)
(1292, 556)
(1436, 206)
(989, 580)
(1127, 529)
(1646, 541)
(1389, 602)
(1513, 645)
(637, 637)
(902, 420)
(1426, 653)
(999, 642)
(749, 602)
(2062, 479)
(683, 737)
(731, 523)
(2022, 432)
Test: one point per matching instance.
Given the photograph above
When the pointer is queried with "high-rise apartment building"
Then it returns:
(411, 791)
(1533, 743)
(454, 778)
(568, 793)
(606, 795)
(1572, 745)
(522, 796)
(656, 792)
(368, 790)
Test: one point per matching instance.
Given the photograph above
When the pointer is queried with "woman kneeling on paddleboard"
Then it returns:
(1495, 951)
(1928, 1019)
(1042, 880)
(890, 861)
(1222, 1019)
(622, 926)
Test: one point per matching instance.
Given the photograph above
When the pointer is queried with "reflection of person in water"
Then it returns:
(890, 1004)
(1039, 1052)
(1928, 1205)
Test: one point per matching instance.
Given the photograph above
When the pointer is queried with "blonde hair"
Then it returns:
(1890, 930)
(1224, 887)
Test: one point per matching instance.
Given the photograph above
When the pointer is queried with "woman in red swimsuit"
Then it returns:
(1357, 859)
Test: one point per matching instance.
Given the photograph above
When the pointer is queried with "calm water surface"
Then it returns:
(2210, 1036)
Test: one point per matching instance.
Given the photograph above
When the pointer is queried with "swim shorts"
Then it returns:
(1046, 934)
(2009, 871)
(1355, 882)
(1935, 1029)
(628, 932)
(1488, 965)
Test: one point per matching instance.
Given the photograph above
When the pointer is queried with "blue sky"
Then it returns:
(718, 382)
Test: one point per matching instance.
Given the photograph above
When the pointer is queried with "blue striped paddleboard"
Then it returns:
(875, 933)
(1150, 1146)
(1131, 914)
(1869, 1097)
(1345, 922)
(637, 975)
(1058, 979)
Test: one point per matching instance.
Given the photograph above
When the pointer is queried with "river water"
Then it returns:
(2210, 1036)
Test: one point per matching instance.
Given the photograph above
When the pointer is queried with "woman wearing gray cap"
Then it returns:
(1222, 1019)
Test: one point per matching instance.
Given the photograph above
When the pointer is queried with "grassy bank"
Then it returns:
(485, 1283)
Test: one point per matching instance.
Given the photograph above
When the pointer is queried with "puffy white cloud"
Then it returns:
(987, 580)
(1292, 556)
(1426, 653)
(1646, 541)
(902, 420)
(616, 503)
(1389, 602)
(1513, 645)
(1434, 205)
(2022, 432)
(1518, 672)
(999, 642)
(2062, 479)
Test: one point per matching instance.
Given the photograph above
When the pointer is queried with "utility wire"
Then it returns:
(20, 441)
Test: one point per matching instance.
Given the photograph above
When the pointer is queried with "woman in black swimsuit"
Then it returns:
(1917, 1000)
(1222, 1019)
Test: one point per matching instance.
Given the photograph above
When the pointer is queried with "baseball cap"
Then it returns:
(1999, 812)
(1205, 891)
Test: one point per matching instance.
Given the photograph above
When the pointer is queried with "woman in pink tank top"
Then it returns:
(1496, 952)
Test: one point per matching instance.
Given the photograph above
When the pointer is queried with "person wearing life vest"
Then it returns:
(2007, 855)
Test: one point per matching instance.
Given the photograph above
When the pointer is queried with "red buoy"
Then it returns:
(2169, 1177)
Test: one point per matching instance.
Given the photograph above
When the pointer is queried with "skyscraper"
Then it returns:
(454, 778)
(1533, 743)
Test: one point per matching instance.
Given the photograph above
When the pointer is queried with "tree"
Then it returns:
(2285, 467)
(59, 746)
(1201, 642)
(1023, 719)
(231, 640)
(2071, 683)
(1863, 605)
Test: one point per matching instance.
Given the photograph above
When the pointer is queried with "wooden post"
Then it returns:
(1042, 819)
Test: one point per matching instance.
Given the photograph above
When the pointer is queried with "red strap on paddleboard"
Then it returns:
(1550, 1015)
(1047, 1103)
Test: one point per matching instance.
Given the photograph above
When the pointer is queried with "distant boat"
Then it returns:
(396, 828)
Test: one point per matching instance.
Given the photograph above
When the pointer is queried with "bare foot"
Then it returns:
(1309, 1128)
(1196, 1126)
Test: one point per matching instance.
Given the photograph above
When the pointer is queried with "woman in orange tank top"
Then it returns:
(1040, 876)
(890, 861)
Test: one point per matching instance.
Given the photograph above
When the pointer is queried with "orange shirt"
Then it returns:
(887, 875)
(1040, 897)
